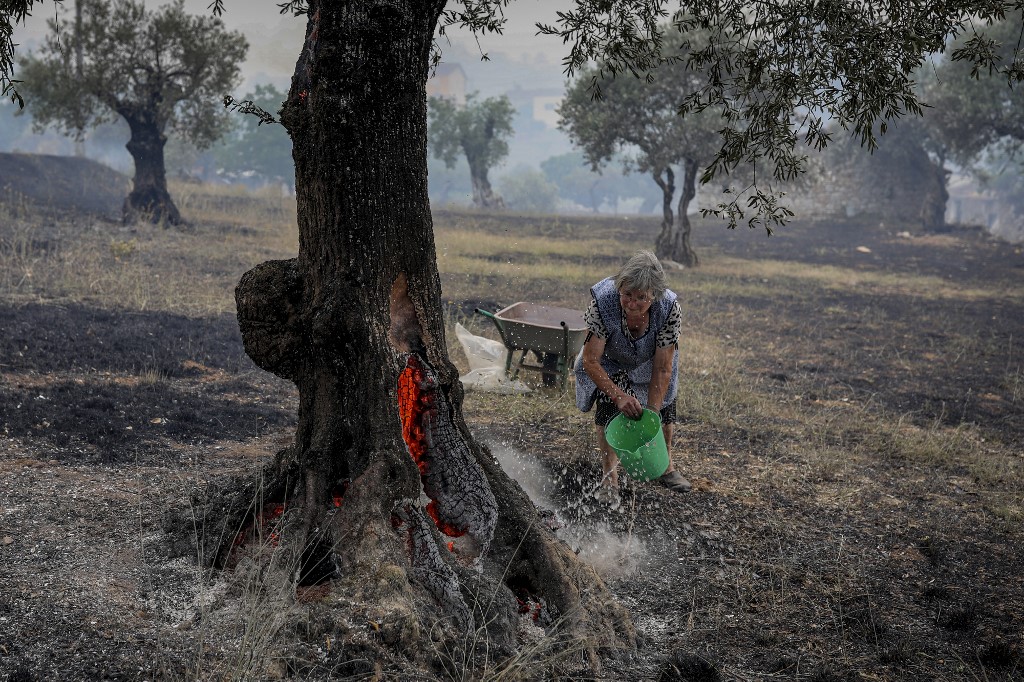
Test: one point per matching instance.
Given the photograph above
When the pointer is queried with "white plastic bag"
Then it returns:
(486, 365)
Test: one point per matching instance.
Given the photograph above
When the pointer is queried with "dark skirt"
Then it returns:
(606, 410)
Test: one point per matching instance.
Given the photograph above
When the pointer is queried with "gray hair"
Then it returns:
(642, 272)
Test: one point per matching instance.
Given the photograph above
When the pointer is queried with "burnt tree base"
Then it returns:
(150, 205)
(530, 601)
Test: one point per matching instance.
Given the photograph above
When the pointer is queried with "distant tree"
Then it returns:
(527, 189)
(480, 131)
(578, 182)
(640, 117)
(255, 146)
(159, 70)
(972, 117)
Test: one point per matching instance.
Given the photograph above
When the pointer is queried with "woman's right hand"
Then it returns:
(629, 406)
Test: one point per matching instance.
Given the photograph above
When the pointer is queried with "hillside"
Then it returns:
(63, 183)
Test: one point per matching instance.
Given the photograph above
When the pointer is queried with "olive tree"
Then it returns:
(355, 318)
(639, 120)
(971, 114)
(161, 71)
(477, 130)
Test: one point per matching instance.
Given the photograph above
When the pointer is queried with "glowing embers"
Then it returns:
(417, 396)
(266, 525)
(533, 606)
(338, 494)
(262, 533)
(535, 609)
(461, 501)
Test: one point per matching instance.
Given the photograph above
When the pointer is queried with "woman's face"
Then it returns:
(634, 301)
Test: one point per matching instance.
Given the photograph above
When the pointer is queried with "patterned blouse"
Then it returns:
(668, 335)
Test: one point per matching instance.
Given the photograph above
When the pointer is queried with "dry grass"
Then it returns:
(140, 267)
(824, 408)
(723, 272)
(193, 272)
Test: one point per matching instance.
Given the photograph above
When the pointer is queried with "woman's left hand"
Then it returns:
(629, 406)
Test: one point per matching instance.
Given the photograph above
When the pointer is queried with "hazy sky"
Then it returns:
(274, 39)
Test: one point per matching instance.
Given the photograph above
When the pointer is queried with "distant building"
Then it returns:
(541, 104)
(449, 82)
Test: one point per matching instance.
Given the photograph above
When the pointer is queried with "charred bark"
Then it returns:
(355, 322)
(149, 199)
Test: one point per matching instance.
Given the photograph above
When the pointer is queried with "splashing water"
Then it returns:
(612, 553)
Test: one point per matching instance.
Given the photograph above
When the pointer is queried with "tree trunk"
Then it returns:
(673, 242)
(665, 179)
(681, 250)
(934, 196)
(483, 194)
(149, 199)
(355, 321)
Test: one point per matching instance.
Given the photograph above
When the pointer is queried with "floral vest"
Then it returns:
(622, 352)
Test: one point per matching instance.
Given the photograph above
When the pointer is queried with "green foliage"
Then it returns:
(638, 120)
(640, 117)
(528, 190)
(165, 65)
(575, 181)
(254, 144)
(480, 131)
(780, 69)
(971, 111)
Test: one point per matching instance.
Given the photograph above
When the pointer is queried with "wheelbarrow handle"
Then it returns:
(486, 313)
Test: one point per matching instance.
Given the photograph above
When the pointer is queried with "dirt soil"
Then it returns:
(878, 568)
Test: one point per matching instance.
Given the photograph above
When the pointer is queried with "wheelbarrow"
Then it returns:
(554, 335)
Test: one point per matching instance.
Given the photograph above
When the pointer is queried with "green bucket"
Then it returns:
(640, 445)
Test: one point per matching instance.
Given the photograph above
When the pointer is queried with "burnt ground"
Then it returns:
(871, 563)
(56, 184)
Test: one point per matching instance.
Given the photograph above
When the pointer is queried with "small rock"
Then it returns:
(8, 540)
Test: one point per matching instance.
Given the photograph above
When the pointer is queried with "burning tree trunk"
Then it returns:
(355, 321)
(149, 199)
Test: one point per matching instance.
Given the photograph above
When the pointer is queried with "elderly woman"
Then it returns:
(628, 360)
